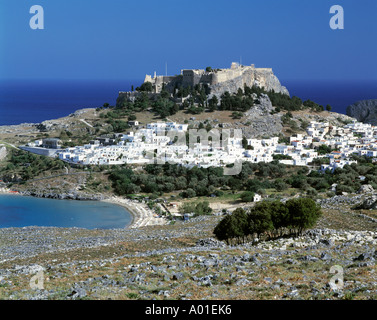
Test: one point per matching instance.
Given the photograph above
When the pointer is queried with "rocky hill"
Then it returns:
(217, 81)
(250, 76)
(364, 111)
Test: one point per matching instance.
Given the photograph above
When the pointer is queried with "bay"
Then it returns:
(22, 211)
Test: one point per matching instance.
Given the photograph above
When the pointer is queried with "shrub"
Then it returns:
(247, 196)
(202, 208)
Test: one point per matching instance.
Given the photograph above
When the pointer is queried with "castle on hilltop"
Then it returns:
(218, 80)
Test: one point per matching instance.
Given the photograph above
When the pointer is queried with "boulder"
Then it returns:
(366, 188)
(77, 293)
(210, 242)
(364, 256)
(369, 203)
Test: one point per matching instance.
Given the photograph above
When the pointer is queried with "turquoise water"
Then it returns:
(19, 211)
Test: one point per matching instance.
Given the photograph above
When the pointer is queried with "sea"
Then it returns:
(33, 101)
(23, 211)
(339, 94)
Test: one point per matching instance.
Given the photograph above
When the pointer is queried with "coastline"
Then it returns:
(141, 215)
(8, 191)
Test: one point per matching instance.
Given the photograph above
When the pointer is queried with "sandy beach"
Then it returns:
(142, 215)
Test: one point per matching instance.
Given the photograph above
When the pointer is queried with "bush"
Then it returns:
(202, 208)
(247, 196)
(146, 86)
(343, 188)
(189, 193)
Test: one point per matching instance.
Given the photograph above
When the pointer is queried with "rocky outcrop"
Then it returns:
(219, 81)
(64, 196)
(366, 188)
(260, 120)
(11, 177)
(364, 111)
(368, 203)
(261, 77)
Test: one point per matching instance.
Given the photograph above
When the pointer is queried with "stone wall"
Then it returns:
(42, 151)
(3, 152)
(227, 75)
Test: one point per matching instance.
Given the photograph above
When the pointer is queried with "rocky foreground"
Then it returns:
(184, 261)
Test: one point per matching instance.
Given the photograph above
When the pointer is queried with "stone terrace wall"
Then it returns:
(3, 152)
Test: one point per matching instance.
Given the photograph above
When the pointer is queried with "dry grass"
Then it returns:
(344, 219)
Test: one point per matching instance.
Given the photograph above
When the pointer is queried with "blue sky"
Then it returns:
(121, 39)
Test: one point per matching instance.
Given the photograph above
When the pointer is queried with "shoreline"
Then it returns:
(141, 215)
(8, 191)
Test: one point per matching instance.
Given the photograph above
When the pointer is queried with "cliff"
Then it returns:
(250, 76)
(364, 111)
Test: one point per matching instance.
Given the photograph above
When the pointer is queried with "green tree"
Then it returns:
(212, 103)
(146, 86)
(240, 218)
(247, 196)
(142, 102)
(244, 143)
(279, 217)
(165, 107)
(280, 185)
(324, 149)
(303, 213)
(232, 226)
(225, 229)
(259, 219)
(131, 117)
(189, 193)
